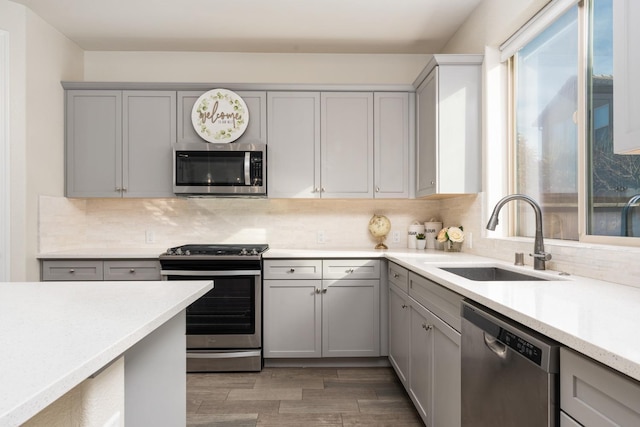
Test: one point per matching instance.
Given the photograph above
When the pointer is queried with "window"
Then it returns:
(562, 106)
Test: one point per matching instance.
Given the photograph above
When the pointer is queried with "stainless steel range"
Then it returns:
(224, 326)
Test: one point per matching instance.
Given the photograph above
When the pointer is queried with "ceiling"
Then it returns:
(285, 26)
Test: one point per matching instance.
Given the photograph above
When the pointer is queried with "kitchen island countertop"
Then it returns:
(54, 335)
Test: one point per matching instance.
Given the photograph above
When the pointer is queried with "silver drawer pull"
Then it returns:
(324, 291)
(133, 270)
(427, 327)
(396, 276)
(318, 290)
(404, 306)
(71, 270)
(350, 270)
(292, 270)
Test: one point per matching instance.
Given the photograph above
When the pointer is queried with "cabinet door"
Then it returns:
(346, 144)
(256, 104)
(351, 318)
(93, 143)
(391, 145)
(434, 364)
(399, 332)
(427, 120)
(626, 68)
(292, 318)
(132, 270)
(294, 144)
(149, 123)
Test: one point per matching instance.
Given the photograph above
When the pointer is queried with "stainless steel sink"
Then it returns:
(491, 274)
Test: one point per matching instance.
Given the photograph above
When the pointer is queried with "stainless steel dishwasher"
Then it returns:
(509, 372)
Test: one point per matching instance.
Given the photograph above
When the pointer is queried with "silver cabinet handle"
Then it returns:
(396, 276)
(71, 270)
(118, 189)
(124, 188)
(404, 306)
(316, 190)
(133, 270)
(324, 291)
(350, 270)
(377, 189)
(322, 189)
(292, 270)
(427, 327)
(318, 291)
(433, 183)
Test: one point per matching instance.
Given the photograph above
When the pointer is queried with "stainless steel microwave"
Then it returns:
(233, 169)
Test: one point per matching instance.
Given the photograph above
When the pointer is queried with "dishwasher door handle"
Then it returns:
(492, 343)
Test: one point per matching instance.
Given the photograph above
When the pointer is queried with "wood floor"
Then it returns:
(287, 397)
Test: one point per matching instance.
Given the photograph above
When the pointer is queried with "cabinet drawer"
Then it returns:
(441, 301)
(293, 269)
(351, 269)
(595, 395)
(131, 270)
(399, 276)
(71, 270)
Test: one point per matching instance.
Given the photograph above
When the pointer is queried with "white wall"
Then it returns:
(253, 67)
(40, 57)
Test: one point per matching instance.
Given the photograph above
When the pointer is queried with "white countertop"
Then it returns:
(594, 317)
(54, 335)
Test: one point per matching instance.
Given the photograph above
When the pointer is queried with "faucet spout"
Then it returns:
(624, 229)
(539, 255)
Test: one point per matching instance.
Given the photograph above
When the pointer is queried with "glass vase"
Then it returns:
(450, 246)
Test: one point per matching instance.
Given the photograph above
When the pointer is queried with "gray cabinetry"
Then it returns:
(448, 126)
(391, 144)
(98, 270)
(294, 145)
(256, 104)
(424, 344)
(307, 315)
(346, 144)
(118, 144)
(339, 144)
(594, 395)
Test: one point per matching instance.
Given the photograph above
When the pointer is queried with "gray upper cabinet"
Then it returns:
(118, 144)
(449, 154)
(346, 144)
(93, 143)
(391, 144)
(294, 145)
(256, 104)
(149, 131)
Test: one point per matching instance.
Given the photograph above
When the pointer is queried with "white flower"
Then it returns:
(455, 234)
(442, 236)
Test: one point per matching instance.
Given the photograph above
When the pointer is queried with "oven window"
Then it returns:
(228, 309)
(217, 168)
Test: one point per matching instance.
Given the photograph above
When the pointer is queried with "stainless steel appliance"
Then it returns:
(224, 326)
(509, 372)
(234, 169)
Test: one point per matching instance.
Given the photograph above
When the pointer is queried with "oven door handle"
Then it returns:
(223, 355)
(218, 273)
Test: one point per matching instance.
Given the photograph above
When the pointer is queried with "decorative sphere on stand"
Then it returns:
(379, 227)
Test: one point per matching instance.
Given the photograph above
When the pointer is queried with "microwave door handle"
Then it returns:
(247, 168)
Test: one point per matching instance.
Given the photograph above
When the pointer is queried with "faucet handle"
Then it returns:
(545, 256)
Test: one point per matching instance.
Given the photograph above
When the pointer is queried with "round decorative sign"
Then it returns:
(220, 115)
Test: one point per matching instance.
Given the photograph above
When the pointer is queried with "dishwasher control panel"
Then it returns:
(522, 346)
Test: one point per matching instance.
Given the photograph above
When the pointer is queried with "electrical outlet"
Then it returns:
(321, 237)
(149, 237)
(395, 237)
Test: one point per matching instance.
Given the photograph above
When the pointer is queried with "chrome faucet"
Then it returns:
(539, 255)
(624, 227)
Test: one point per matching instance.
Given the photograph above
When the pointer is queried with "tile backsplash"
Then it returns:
(67, 224)
(70, 224)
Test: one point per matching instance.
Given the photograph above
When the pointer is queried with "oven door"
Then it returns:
(224, 326)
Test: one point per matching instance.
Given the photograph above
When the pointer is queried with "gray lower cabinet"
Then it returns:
(98, 270)
(118, 143)
(307, 315)
(256, 104)
(424, 344)
(594, 395)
